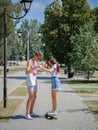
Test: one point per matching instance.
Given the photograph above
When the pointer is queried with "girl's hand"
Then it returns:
(41, 67)
(45, 66)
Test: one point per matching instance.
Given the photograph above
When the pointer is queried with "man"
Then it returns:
(31, 72)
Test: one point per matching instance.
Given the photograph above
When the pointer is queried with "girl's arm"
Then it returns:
(47, 69)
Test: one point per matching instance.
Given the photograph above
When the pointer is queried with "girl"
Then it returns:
(53, 67)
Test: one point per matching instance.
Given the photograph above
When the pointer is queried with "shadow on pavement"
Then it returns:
(11, 117)
(85, 110)
(62, 80)
(17, 77)
(67, 91)
(17, 117)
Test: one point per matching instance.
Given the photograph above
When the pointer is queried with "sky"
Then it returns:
(38, 7)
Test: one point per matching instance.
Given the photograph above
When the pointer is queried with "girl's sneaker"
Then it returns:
(52, 113)
(28, 117)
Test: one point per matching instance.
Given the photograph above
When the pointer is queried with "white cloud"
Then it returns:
(38, 5)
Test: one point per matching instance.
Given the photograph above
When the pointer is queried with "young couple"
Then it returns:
(31, 72)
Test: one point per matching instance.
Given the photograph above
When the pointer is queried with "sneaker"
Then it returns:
(52, 113)
(34, 115)
(28, 117)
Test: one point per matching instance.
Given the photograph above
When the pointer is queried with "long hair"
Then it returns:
(53, 61)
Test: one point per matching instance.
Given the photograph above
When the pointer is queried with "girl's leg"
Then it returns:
(33, 102)
(28, 105)
(54, 99)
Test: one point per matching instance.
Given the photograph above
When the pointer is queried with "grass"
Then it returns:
(10, 72)
(93, 106)
(7, 113)
(20, 91)
(23, 84)
(83, 82)
(13, 104)
(86, 92)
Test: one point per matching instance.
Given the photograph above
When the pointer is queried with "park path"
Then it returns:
(72, 112)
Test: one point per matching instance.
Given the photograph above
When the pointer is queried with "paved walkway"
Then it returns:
(13, 81)
(72, 113)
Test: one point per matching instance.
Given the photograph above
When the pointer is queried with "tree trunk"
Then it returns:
(88, 74)
(70, 72)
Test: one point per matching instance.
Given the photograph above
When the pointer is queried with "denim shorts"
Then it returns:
(56, 85)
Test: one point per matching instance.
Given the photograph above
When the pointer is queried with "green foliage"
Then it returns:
(95, 18)
(75, 14)
(30, 28)
(12, 10)
(85, 52)
(62, 23)
(52, 30)
(61, 26)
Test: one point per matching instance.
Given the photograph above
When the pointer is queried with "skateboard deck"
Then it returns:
(50, 117)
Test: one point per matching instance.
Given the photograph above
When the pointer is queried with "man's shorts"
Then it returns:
(32, 88)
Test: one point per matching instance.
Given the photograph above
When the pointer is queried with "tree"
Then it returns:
(62, 23)
(95, 18)
(76, 13)
(85, 52)
(13, 10)
(52, 31)
(30, 28)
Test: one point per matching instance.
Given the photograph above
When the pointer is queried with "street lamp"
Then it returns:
(26, 4)
(28, 40)
(19, 32)
(39, 33)
(19, 43)
(26, 7)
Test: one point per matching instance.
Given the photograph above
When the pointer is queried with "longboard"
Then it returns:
(50, 117)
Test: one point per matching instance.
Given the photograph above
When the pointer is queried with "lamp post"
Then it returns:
(26, 4)
(28, 40)
(19, 43)
(28, 44)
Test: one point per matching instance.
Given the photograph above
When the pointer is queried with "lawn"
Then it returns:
(86, 88)
(93, 106)
(86, 92)
(7, 113)
(83, 82)
(20, 91)
(12, 104)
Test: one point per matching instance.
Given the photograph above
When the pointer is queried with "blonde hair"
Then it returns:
(40, 54)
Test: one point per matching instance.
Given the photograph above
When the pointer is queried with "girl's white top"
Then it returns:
(54, 72)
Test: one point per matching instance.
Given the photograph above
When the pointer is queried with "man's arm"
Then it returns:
(29, 67)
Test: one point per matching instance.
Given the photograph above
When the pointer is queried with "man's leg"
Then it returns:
(33, 102)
